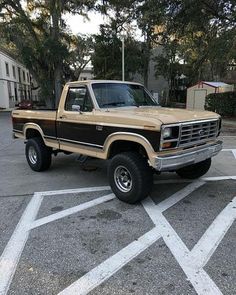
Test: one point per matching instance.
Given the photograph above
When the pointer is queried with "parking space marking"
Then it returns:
(194, 271)
(178, 196)
(11, 254)
(15, 246)
(73, 210)
(230, 150)
(110, 266)
(228, 136)
(200, 280)
(75, 190)
(234, 153)
(102, 272)
(217, 178)
(210, 240)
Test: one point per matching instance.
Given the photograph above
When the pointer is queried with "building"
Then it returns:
(196, 94)
(15, 81)
(157, 85)
(86, 73)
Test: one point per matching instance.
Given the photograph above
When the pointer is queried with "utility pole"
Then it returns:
(123, 57)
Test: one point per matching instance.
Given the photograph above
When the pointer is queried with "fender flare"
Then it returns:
(128, 136)
(35, 127)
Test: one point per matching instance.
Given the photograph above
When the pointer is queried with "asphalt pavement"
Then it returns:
(63, 232)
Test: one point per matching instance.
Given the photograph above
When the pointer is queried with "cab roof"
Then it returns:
(101, 81)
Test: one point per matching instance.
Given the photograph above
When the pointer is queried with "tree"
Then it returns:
(107, 55)
(39, 33)
(198, 37)
(80, 53)
(150, 15)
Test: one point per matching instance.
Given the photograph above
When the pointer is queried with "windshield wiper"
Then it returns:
(113, 103)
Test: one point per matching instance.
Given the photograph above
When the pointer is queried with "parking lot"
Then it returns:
(64, 232)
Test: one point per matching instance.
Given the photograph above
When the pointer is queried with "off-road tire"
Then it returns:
(138, 170)
(38, 155)
(196, 170)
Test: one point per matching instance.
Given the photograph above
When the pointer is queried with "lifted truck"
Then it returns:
(122, 122)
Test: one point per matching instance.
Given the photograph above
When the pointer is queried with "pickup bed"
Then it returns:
(120, 121)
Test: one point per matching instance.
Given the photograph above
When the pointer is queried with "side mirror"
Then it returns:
(76, 108)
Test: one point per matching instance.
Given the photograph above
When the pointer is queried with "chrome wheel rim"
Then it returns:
(123, 179)
(32, 155)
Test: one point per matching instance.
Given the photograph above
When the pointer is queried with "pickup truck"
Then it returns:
(120, 121)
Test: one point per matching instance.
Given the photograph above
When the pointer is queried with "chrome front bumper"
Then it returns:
(185, 158)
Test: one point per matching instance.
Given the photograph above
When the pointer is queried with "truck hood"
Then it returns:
(166, 115)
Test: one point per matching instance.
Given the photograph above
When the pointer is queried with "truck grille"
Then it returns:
(198, 132)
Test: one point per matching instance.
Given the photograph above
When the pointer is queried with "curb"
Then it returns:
(6, 110)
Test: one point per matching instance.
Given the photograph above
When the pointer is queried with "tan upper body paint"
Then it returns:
(145, 118)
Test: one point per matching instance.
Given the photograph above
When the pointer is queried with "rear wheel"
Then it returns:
(38, 155)
(130, 177)
(196, 170)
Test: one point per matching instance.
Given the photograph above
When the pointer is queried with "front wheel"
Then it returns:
(38, 155)
(130, 177)
(196, 170)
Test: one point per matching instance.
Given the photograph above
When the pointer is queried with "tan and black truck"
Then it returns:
(120, 121)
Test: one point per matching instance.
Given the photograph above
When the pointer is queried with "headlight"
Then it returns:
(167, 132)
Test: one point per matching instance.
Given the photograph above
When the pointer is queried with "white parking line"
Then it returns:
(194, 271)
(211, 239)
(75, 190)
(217, 178)
(200, 280)
(230, 150)
(11, 254)
(175, 198)
(228, 136)
(110, 266)
(234, 153)
(72, 210)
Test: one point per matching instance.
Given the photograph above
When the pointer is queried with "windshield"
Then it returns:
(121, 95)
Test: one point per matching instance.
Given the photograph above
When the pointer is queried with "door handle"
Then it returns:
(63, 117)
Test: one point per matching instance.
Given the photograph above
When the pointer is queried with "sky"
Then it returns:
(79, 24)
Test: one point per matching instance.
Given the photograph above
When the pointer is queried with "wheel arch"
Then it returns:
(33, 130)
(124, 140)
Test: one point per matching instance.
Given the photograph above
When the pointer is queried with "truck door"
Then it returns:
(75, 124)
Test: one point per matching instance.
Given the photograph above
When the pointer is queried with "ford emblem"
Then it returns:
(201, 132)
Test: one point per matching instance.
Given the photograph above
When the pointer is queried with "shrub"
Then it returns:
(222, 103)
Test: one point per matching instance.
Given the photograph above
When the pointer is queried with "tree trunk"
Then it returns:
(145, 71)
(147, 55)
(57, 85)
(55, 32)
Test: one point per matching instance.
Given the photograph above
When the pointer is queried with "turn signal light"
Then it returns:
(166, 145)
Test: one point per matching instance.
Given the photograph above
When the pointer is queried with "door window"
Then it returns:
(78, 99)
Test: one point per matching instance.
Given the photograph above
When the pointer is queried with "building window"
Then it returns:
(28, 77)
(15, 91)
(14, 71)
(19, 75)
(7, 69)
(9, 90)
(23, 75)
